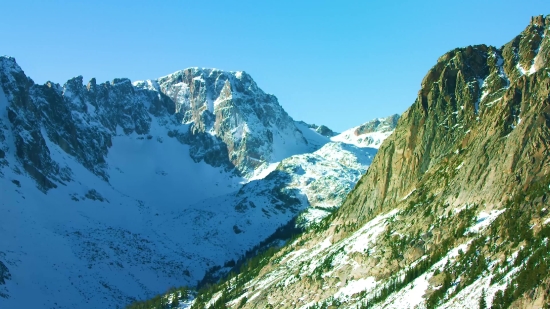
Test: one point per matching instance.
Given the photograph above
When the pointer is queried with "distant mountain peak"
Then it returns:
(370, 134)
(381, 125)
(230, 106)
(321, 129)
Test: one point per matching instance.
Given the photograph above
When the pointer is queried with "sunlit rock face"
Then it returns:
(453, 210)
(227, 110)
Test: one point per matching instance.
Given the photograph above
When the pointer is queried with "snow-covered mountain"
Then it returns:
(116, 191)
(227, 111)
(370, 134)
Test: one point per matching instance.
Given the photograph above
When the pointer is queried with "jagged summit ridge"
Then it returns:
(224, 116)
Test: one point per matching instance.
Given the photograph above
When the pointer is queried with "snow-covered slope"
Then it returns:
(326, 176)
(116, 191)
(314, 183)
(370, 134)
(309, 185)
(342, 278)
(88, 243)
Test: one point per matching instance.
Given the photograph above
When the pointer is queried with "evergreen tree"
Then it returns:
(498, 300)
(175, 302)
(482, 302)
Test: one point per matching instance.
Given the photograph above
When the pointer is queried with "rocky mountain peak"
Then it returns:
(381, 125)
(370, 134)
(539, 21)
(471, 91)
(224, 116)
(229, 108)
(453, 210)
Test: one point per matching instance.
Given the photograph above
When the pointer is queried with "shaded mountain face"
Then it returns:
(453, 211)
(115, 191)
(226, 119)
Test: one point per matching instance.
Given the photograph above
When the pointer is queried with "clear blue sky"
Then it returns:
(338, 63)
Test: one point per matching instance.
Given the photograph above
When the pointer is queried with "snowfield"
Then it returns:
(154, 214)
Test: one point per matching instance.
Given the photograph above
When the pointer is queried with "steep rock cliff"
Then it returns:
(452, 213)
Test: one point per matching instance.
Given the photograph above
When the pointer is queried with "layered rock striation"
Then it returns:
(452, 212)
